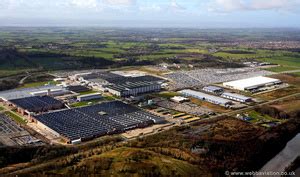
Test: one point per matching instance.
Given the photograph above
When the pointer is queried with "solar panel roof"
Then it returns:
(35, 102)
(96, 120)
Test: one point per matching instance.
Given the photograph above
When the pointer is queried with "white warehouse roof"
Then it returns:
(204, 96)
(90, 95)
(251, 83)
(234, 95)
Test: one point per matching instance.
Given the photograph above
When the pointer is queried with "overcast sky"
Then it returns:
(151, 13)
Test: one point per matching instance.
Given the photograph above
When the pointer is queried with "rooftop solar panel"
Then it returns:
(36, 103)
(88, 122)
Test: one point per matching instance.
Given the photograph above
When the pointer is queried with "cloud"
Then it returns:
(252, 5)
(228, 5)
(174, 6)
(150, 8)
(275, 4)
(120, 2)
(85, 3)
(68, 4)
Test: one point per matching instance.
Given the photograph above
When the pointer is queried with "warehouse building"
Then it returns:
(99, 80)
(213, 89)
(206, 97)
(77, 88)
(26, 92)
(35, 104)
(179, 99)
(236, 97)
(51, 92)
(251, 84)
(133, 88)
(108, 78)
(85, 123)
(88, 97)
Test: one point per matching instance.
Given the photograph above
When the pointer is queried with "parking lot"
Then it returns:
(203, 77)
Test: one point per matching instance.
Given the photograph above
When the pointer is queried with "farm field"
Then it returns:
(287, 62)
(100, 48)
(194, 58)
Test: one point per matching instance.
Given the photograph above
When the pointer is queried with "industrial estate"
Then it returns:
(88, 105)
(148, 102)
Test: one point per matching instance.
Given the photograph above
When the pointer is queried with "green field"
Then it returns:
(297, 74)
(227, 54)
(15, 117)
(86, 103)
(260, 118)
(133, 162)
(282, 69)
(38, 84)
(287, 62)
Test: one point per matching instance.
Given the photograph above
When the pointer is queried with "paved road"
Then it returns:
(24, 78)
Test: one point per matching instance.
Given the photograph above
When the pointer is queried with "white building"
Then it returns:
(251, 83)
(179, 99)
(50, 92)
(88, 97)
(133, 88)
(213, 89)
(206, 97)
(236, 97)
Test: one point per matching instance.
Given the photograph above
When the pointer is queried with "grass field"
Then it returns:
(38, 84)
(287, 62)
(297, 74)
(242, 53)
(86, 103)
(257, 117)
(134, 162)
(282, 69)
(15, 117)
(5, 72)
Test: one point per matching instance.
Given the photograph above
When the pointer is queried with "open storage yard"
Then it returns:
(203, 77)
(12, 134)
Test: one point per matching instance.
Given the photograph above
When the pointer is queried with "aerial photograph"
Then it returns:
(149, 88)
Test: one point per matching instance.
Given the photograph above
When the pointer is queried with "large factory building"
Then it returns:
(252, 83)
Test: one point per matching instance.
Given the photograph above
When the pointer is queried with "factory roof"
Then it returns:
(97, 120)
(205, 96)
(89, 95)
(77, 88)
(251, 82)
(213, 88)
(35, 102)
(119, 79)
(238, 96)
(130, 85)
(23, 93)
